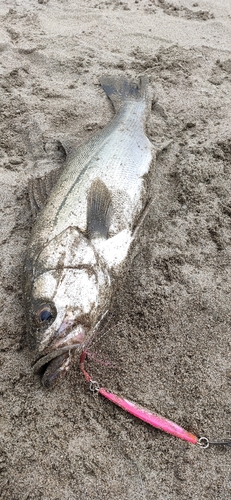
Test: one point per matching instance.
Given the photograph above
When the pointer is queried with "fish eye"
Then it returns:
(45, 314)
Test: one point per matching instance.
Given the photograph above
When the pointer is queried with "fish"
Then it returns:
(88, 215)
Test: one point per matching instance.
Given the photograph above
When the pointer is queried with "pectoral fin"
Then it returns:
(99, 209)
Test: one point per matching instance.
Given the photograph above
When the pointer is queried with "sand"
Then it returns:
(167, 340)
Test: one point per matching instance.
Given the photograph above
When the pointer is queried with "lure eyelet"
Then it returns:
(203, 442)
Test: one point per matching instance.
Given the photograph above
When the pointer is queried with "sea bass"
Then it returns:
(83, 233)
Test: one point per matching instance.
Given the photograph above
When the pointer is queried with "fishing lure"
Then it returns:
(156, 421)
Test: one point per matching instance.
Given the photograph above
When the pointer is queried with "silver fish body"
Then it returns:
(82, 236)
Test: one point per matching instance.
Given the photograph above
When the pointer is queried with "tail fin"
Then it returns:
(120, 90)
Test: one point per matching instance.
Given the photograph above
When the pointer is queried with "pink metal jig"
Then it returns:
(139, 412)
(155, 420)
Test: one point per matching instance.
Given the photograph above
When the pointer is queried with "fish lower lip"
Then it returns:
(43, 360)
(56, 369)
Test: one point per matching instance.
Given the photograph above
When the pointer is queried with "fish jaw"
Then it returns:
(55, 361)
(55, 365)
(43, 360)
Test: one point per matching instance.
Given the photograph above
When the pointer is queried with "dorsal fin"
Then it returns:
(52, 152)
(99, 208)
(40, 188)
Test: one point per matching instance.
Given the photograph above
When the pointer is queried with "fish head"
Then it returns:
(68, 289)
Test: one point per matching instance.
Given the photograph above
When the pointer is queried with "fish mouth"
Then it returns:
(55, 360)
(38, 364)
(52, 366)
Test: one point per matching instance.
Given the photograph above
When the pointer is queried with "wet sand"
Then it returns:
(168, 335)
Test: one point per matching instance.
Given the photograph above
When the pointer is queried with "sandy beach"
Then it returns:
(167, 341)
